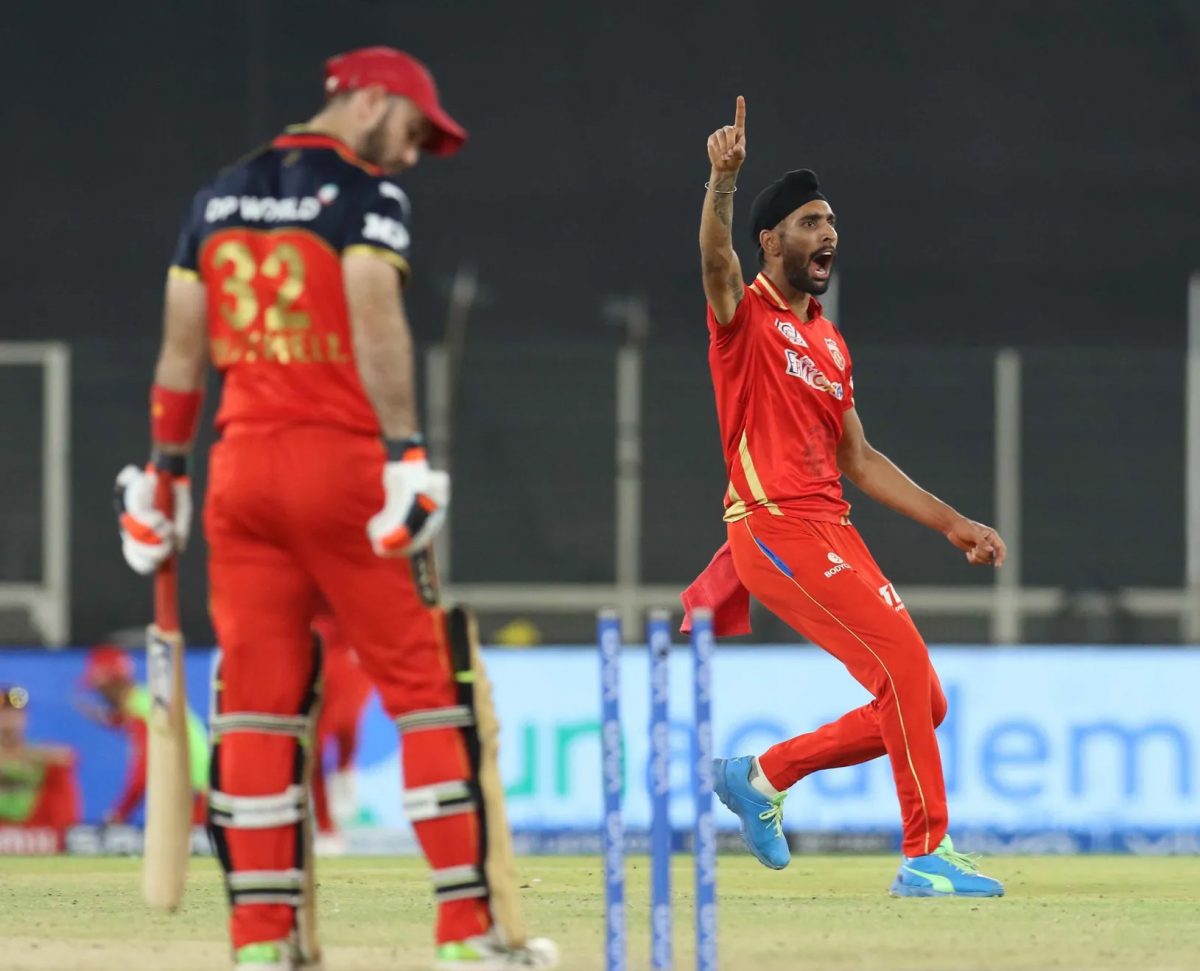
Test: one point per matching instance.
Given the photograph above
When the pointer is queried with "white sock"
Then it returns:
(758, 780)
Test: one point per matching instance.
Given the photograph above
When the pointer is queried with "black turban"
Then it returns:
(776, 201)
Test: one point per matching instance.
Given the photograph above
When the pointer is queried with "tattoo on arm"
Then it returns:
(723, 283)
(723, 200)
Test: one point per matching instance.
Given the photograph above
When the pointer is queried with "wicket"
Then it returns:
(658, 639)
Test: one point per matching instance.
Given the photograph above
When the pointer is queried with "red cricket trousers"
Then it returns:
(823, 582)
(285, 518)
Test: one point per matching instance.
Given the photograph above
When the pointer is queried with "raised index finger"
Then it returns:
(739, 115)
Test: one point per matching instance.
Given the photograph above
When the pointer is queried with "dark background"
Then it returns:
(1021, 174)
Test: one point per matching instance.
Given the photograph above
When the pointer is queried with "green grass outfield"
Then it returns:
(822, 913)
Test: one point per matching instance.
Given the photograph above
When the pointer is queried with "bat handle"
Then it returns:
(166, 588)
(425, 576)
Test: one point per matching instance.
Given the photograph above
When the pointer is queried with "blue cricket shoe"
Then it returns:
(761, 818)
(944, 873)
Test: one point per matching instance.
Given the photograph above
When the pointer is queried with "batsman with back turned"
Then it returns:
(784, 388)
(289, 274)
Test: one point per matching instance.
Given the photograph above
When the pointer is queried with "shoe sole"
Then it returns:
(907, 890)
(722, 791)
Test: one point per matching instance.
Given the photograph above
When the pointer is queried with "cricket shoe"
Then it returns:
(761, 818)
(329, 844)
(488, 952)
(267, 956)
(273, 956)
(944, 873)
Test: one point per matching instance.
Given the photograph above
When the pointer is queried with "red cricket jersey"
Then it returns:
(267, 238)
(783, 386)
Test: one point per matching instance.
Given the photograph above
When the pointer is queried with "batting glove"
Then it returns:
(414, 506)
(148, 537)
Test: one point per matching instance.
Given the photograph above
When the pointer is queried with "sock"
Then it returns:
(758, 781)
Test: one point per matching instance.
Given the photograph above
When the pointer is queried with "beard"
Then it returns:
(796, 272)
(373, 145)
(374, 148)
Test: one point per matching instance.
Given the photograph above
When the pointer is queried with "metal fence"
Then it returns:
(1076, 454)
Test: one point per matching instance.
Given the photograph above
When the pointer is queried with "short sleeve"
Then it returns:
(379, 226)
(722, 334)
(848, 398)
(186, 259)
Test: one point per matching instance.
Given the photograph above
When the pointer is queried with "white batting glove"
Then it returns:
(414, 506)
(148, 538)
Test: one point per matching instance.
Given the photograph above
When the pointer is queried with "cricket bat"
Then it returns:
(475, 691)
(500, 865)
(168, 774)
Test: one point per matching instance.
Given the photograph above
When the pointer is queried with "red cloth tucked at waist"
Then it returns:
(719, 589)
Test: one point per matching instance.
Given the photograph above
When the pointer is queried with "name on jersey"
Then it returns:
(280, 347)
(805, 368)
(385, 230)
(263, 209)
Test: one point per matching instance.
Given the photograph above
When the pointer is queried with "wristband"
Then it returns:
(173, 464)
(174, 415)
(411, 449)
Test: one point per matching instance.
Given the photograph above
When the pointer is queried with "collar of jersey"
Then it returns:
(301, 136)
(763, 286)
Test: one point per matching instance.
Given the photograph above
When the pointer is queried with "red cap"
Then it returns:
(400, 74)
(107, 663)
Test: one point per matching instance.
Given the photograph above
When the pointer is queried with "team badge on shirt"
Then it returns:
(836, 352)
(789, 331)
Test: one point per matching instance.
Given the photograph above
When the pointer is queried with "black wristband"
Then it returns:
(398, 448)
(172, 464)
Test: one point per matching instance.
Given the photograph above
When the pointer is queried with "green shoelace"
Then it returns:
(774, 815)
(965, 862)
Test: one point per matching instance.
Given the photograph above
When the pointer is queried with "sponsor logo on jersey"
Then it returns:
(393, 191)
(788, 330)
(384, 230)
(804, 367)
(838, 565)
(327, 193)
(264, 209)
(836, 352)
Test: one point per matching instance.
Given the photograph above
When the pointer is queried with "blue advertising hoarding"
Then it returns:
(57, 699)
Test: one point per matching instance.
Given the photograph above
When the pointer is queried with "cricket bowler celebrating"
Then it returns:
(785, 404)
(289, 273)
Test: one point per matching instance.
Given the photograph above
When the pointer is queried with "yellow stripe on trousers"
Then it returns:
(899, 711)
